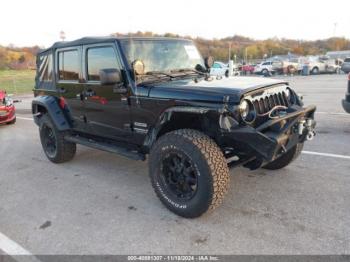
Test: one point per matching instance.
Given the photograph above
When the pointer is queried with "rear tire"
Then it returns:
(188, 172)
(315, 71)
(12, 122)
(56, 148)
(286, 158)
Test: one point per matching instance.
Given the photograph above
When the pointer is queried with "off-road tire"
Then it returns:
(209, 161)
(286, 158)
(65, 150)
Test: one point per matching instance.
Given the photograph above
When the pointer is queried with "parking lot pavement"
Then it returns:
(101, 203)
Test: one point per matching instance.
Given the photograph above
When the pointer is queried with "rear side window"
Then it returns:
(68, 65)
(347, 60)
(100, 58)
(44, 71)
(45, 67)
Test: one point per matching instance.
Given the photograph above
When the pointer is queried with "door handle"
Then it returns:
(62, 90)
(79, 96)
(90, 93)
(119, 90)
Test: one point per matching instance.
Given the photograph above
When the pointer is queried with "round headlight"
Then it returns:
(244, 108)
(247, 111)
(287, 91)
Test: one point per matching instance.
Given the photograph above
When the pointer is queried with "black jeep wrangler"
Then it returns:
(153, 96)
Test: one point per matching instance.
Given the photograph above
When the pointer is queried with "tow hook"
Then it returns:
(310, 135)
(309, 125)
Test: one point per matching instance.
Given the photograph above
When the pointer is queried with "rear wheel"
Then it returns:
(56, 148)
(315, 71)
(286, 158)
(189, 173)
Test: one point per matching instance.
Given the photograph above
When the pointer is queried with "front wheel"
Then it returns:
(12, 121)
(56, 148)
(286, 158)
(189, 172)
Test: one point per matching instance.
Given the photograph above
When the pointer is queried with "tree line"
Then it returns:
(241, 48)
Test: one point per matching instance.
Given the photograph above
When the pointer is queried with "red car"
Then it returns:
(7, 109)
(247, 69)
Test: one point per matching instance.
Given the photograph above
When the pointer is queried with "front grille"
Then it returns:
(266, 103)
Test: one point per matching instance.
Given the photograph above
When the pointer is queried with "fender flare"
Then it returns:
(165, 117)
(55, 112)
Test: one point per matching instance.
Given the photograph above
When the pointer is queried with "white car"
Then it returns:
(321, 65)
(219, 69)
(267, 67)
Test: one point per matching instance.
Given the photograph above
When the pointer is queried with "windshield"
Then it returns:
(163, 55)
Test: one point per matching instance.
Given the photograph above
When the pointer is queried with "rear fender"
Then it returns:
(50, 105)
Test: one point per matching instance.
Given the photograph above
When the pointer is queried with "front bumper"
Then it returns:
(8, 116)
(276, 136)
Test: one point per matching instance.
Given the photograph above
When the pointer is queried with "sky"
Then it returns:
(38, 22)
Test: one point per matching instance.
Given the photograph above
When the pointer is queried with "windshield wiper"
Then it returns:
(160, 73)
(189, 71)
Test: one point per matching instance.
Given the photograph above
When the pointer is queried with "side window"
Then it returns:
(100, 58)
(266, 63)
(68, 65)
(45, 67)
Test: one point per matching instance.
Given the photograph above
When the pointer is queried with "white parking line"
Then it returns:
(14, 250)
(329, 113)
(325, 154)
(24, 118)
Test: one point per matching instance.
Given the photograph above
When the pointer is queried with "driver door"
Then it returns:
(106, 107)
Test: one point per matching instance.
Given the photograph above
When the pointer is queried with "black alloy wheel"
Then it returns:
(179, 175)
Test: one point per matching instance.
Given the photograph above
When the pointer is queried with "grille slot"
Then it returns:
(265, 104)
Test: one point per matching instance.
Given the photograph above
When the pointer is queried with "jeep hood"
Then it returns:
(211, 91)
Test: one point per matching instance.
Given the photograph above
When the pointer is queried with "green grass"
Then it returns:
(17, 81)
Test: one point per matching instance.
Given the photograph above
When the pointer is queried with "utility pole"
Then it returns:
(335, 28)
(229, 52)
(62, 35)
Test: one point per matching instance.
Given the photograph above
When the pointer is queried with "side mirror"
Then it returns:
(110, 76)
(209, 61)
(138, 66)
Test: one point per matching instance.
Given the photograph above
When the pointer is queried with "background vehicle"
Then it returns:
(268, 67)
(153, 96)
(345, 67)
(322, 65)
(7, 109)
(219, 69)
(247, 68)
(346, 101)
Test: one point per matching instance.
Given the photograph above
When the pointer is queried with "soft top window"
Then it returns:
(44, 71)
(45, 67)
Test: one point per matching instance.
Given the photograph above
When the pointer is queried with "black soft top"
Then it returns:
(96, 40)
